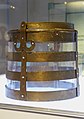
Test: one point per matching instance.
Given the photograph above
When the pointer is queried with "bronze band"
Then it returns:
(43, 76)
(48, 36)
(43, 56)
(55, 36)
(42, 96)
(22, 77)
(50, 25)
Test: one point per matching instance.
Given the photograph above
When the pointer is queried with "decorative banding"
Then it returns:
(50, 25)
(46, 36)
(55, 36)
(43, 76)
(43, 56)
(51, 75)
(42, 96)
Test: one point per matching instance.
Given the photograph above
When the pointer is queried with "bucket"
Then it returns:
(42, 62)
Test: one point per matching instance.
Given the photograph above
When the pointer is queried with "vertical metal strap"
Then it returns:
(23, 61)
(77, 69)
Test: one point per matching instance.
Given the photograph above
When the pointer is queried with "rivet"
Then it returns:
(57, 34)
(22, 25)
(14, 43)
(22, 77)
(22, 96)
(48, 45)
(32, 43)
(23, 57)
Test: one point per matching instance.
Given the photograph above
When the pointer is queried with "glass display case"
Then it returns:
(13, 13)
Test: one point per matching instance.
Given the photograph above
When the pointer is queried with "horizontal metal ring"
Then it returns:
(46, 36)
(43, 56)
(55, 36)
(43, 76)
(43, 96)
(28, 30)
(49, 25)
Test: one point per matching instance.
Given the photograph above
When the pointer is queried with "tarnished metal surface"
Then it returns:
(43, 96)
(43, 56)
(39, 35)
(42, 32)
(44, 76)
(49, 25)
(59, 36)
(47, 31)
(23, 60)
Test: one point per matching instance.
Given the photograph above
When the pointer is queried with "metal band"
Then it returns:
(45, 36)
(43, 96)
(43, 76)
(43, 56)
(56, 36)
(44, 32)
(49, 25)
(45, 25)
(75, 37)
(23, 60)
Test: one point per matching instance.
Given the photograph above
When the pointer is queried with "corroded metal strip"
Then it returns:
(51, 75)
(43, 76)
(43, 56)
(51, 56)
(42, 96)
(50, 36)
(42, 26)
(23, 60)
(75, 37)
(55, 36)
(50, 25)
(45, 36)
(46, 31)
